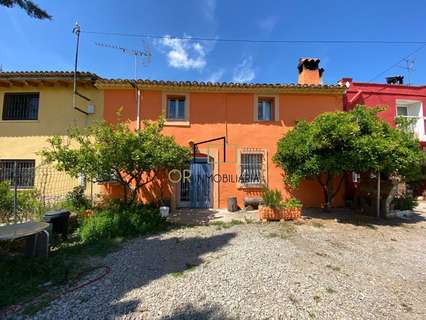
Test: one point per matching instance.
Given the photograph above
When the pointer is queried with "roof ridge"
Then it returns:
(216, 84)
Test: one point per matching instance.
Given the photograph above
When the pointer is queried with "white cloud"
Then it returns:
(268, 23)
(244, 72)
(183, 53)
(216, 76)
(209, 10)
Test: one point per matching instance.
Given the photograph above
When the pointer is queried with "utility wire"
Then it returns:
(276, 41)
(189, 38)
(398, 62)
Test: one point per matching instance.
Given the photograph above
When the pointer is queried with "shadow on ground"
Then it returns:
(191, 312)
(348, 216)
(193, 216)
(142, 261)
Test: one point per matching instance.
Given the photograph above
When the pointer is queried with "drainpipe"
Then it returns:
(138, 104)
(138, 110)
(355, 97)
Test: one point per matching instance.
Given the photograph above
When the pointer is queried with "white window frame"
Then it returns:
(264, 104)
(419, 127)
(165, 100)
(275, 106)
(175, 116)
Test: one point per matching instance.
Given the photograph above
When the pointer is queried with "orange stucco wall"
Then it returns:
(218, 114)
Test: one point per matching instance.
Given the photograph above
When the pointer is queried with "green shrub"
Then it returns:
(6, 196)
(293, 203)
(404, 201)
(272, 198)
(120, 221)
(28, 203)
(76, 199)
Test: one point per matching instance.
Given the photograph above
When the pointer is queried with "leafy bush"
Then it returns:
(6, 196)
(28, 203)
(76, 199)
(272, 198)
(404, 201)
(293, 203)
(121, 221)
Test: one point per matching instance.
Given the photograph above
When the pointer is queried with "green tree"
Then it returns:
(30, 8)
(339, 142)
(103, 150)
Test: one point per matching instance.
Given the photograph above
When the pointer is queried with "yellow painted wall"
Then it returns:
(23, 139)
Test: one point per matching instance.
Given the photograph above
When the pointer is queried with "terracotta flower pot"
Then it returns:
(292, 213)
(270, 214)
(87, 213)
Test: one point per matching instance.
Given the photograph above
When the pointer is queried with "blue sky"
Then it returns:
(30, 44)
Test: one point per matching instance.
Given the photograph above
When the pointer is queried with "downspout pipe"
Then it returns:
(138, 104)
(138, 110)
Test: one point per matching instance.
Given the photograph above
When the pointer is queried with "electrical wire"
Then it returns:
(398, 62)
(277, 41)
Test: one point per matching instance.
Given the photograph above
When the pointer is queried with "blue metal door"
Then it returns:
(200, 187)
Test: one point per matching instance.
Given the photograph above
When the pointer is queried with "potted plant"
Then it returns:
(272, 206)
(292, 209)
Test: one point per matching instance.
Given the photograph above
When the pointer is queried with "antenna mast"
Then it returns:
(132, 52)
(409, 66)
(136, 54)
(75, 93)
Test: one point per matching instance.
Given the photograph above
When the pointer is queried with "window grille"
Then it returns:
(20, 106)
(23, 172)
(251, 168)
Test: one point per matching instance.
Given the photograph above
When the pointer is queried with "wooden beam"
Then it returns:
(5, 83)
(34, 83)
(17, 83)
(63, 83)
(46, 83)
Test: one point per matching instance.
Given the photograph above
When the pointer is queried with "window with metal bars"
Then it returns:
(21, 170)
(251, 168)
(20, 106)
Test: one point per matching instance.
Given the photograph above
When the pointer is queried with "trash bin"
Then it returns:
(59, 220)
(232, 204)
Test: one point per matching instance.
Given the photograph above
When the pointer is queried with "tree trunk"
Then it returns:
(328, 191)
(328, 195)
(390, 197)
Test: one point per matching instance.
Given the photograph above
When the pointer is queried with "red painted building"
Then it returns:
(398, 98)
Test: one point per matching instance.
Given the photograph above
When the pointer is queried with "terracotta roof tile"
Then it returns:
(44, 74)
(215, 84)
(68, 75)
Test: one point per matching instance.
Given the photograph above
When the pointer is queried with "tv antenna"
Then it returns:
(75, 93)
(409, 66)
(146, 54)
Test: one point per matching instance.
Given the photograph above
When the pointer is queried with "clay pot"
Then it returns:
(270, 214)
(292, 213)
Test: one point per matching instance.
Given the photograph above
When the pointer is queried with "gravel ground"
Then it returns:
(318, 268)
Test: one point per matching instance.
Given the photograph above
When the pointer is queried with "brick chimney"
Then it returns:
(309, 71)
